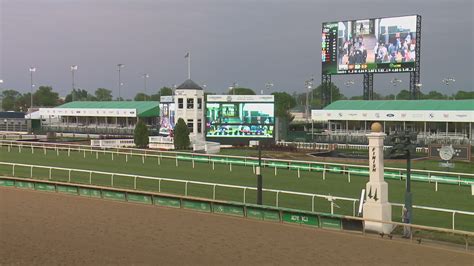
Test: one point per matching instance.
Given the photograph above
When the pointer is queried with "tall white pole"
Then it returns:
(189, 65)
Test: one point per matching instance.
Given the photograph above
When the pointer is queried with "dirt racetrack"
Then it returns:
(43, 228)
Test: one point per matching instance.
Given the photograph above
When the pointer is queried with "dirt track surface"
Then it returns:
(43, 228)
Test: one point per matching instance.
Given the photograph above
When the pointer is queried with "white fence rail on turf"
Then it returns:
(329, 146)
(417, 174)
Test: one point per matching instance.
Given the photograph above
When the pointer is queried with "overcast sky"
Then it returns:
(248, 42)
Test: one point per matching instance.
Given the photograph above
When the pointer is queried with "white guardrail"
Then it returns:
(331, 199)
(432, 176)
(329, 146)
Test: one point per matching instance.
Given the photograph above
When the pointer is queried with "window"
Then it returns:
(190, 103)
(180, 103)
(190, 125)
(199, 124)
(199, 103)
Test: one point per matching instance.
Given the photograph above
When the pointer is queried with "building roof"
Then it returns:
(144, 108)
(189, 85)
(428, 105)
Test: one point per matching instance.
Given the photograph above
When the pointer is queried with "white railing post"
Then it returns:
(354, 208)
(186, 188)
(332, 207)
(277, 198)
(245, 189)
(31, 171)
(214, 192)
(159, 185)
(135, 182)
(50, 170)
(312, 203)
(453, 218)
(112, 180)
(69, 176)
(90, 177)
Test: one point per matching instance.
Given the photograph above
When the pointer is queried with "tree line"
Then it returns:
(44, 96)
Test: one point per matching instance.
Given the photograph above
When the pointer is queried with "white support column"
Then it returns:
(447, 129)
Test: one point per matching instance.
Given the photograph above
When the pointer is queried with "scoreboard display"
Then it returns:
(377, 45)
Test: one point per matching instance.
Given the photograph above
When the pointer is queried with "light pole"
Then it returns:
(119, 67)
(448, 81)
(1, 95)
(32, 70)
(73, 69)
(395, 82)
(145, 77)
(268, 86)
(309, 85)
(418, 88)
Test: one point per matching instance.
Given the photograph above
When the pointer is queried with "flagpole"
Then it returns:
(189, 65)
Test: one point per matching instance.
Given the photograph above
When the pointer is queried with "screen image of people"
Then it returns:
(356, 42)
(374, 43)
(237, 119)
(396, 40)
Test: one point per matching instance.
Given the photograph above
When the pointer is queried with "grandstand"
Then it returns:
(435, 121)
(100, 117)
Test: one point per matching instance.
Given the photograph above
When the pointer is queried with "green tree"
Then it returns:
(79, 95)
(241, 91)
(45, 96)
(103, 94)
(141, 97)
(10, 100)
(283, 103)
(140, 134)
(358, 97)
(164, 91)
(181, 135)
(434, 95)
(315, 100)
(404, 95)
(464, 95)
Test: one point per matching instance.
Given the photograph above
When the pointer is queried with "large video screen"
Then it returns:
(240, 119)
(377, 45)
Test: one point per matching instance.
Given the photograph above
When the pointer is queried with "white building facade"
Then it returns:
(189, 104)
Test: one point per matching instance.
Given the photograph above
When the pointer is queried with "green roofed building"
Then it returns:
(433, 120)
(111, 117)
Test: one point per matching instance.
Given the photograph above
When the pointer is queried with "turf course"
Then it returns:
(336, 184)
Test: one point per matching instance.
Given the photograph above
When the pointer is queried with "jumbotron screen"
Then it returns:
(240, 116)
(377, 45)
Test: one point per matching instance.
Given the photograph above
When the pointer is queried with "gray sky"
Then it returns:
(250, 42)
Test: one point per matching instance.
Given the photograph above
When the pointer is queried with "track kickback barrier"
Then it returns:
(251, 211)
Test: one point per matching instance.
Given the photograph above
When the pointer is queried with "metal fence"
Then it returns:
(113, 178)
(435, 177)
(250, 211)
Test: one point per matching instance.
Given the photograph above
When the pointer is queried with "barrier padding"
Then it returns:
(88, 192)
(23, 184)
(45, 187)
(197, 205)
(113, 195)
(331, 223)
(67, 189)
(262, 214)
(299, 218)
(228, 209)
(7, 183)
(167, 202)
(140, 198)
